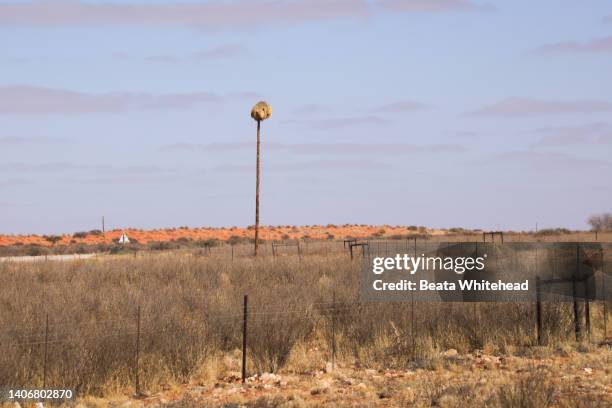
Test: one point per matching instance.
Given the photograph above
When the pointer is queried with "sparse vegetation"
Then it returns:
(191, 320)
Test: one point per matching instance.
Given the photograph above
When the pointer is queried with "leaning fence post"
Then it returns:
(137, 356)
(244, 338)
(45, 353)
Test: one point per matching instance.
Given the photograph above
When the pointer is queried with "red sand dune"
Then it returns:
(266, 232)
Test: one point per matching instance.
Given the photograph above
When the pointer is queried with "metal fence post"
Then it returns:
(137, 357)
(334, 330)
(576, 311)
(244, 338)
(45, 353)
(538, 311)
(587, 317)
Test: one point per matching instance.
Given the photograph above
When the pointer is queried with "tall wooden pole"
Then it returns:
(257, 190)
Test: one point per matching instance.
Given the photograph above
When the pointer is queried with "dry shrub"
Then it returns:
(535, 390)
(272, 337)
(191, 315)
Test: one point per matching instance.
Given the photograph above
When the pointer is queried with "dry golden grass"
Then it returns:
(191, 318)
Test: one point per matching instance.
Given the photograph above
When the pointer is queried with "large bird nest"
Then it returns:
(261, 111)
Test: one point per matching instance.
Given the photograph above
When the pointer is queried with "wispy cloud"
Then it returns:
(436, 6)
(60, 167)
(520, 107)
(608, 19)
(336, 123)
(335, 149)
(5, 204)
(311, 166)
(18, 141)
(32, 100)
(214, 14)
(543, 161)
(222, 52)
(465, 133)
(401, 107)
(595, 45)
(122, 179)
(310, 109)
(589, 134)
(13, 182)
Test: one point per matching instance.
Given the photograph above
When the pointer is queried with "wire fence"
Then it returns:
(49, 340)
(135, 329)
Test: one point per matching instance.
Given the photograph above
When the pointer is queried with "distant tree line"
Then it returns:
(601, 222)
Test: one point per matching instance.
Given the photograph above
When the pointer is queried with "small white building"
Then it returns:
(123, 239)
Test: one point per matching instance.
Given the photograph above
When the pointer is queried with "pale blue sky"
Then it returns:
(441, 113)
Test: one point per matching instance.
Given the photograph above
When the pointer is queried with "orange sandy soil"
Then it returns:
(266, 232)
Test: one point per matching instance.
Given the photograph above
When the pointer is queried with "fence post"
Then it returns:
(45, 353)
(576, 311)
(587, 316)
(538, 311)
(334, 331)
(244, 338)
(232, 245)
(413, 338)
(412, 334)
(603, 288)
(137, 357)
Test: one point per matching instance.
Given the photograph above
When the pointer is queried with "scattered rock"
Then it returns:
(451, 354)
(317, 391)
(588, 370)
(321, 388)
(270, 378)
(329, 367)
(348, 381)
(361, 386)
